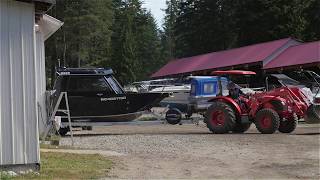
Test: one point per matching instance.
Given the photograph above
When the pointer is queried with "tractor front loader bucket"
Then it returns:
(312, 115)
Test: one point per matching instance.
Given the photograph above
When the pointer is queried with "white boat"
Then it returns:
(179, 92)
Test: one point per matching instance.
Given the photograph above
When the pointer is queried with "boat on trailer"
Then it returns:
(94, 95)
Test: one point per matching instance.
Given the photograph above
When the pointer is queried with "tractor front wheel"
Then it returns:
(267, 121)
(288, 126)
(220, 118)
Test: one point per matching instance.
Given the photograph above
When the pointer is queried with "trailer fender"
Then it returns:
(229, 101)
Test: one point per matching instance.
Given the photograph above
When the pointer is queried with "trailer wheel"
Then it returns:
(267, 121)
(63, 131)
(241, 127)
(220, 118)
(173, 116)
(289, 125)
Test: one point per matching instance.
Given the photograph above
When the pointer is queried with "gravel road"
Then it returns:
(189, 151)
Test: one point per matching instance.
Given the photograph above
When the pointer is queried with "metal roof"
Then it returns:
(297, 55)
(233, 72)
(84, 71)
(244, 55)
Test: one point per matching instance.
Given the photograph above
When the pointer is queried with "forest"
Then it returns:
(124, 36)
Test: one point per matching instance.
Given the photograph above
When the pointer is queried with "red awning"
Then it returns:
(297, 55)
(244, 55)
(233, 72)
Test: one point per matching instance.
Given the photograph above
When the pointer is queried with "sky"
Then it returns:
(156, 7)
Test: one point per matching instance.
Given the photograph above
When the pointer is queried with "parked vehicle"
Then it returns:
(310, 90)
(309, 79)
(277, 109)
(95, 95)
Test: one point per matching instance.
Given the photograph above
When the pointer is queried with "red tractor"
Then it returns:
(277, 109)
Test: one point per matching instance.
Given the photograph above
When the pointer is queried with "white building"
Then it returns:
(23, 29)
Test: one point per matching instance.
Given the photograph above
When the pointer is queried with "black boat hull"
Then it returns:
(119, 108)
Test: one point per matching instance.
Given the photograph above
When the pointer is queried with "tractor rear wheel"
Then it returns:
(267, 121)
(289, 125)
(241, 127)
(220, 118)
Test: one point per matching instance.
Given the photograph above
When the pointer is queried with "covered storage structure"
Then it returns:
(279, 55)
(253, 56)
(21, 76)
(305, 55)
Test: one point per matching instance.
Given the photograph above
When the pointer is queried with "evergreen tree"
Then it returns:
(266, 20)
(84, 39)
(203, 26)
(123, 41)
(168, 39)
(312, 13)
(135, 42)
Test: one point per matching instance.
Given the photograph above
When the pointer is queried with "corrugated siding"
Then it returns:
(41, 80)
(18, 109)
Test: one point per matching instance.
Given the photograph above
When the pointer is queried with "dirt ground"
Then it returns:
(189, 151)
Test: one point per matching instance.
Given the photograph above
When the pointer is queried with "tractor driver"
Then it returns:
(234, 90)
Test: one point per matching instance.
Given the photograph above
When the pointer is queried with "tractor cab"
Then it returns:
(234, 90)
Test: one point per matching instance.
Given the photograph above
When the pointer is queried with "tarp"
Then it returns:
(244, 55)
(297, 55)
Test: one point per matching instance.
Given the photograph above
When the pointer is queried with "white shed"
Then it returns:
(23, 29)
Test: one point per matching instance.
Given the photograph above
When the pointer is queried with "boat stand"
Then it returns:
(56, 109)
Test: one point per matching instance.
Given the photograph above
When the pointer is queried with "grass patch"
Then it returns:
(4, 176)
(49, 146)
(70, 166)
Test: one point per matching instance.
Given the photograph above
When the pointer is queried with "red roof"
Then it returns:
(244, 55)
(234, 72)
(297, 55)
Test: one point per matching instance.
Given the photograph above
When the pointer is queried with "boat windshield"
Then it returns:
(114, 85)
